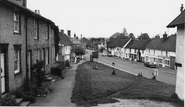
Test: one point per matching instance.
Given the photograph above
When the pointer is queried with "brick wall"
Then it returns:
(9, 37)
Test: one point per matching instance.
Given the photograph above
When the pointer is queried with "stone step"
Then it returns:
(19, 100)
(49, 78)
(25, 103)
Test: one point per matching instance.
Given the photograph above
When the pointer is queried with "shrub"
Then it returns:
(58, 69)
(8, 100)
(39, 72)
(174, 96)
(67, 63)
(27, 96)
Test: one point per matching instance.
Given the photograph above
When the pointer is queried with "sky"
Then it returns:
(103, 18)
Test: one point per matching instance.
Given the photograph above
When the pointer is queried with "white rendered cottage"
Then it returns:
(179, 23)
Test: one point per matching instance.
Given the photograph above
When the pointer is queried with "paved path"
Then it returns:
(62, 90)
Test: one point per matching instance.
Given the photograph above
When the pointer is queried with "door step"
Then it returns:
(25, 103)
(19, 100)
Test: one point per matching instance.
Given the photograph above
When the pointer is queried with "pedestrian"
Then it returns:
(155, 73)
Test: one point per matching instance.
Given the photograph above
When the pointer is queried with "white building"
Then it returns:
(179, 22)
(135, 50)
(162, 51)
(65, 46)
(115, 46)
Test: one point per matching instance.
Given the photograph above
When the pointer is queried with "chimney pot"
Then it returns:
(69, 33)
(35, 11)
(181, 8)
(165, 35)
(62, 31)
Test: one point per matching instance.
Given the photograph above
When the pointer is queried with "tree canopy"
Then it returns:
(143, 36)
(131, 36)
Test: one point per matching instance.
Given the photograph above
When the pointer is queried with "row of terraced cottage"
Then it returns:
(158, 50)
(27, 36)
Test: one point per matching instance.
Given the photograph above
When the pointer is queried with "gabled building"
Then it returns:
(162, 51)
(25, 36)
(135, 49)
(65, 46)
(179, 23)
(115, 46)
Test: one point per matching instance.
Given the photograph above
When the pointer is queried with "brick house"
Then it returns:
(24, 37)
(179, 23)
(40, 41)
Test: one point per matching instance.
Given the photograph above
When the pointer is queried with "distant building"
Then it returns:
(162, 51)
(65, 46)
(114, 46)
(179, 22)
(135, 49)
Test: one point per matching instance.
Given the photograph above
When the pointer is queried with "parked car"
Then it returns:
(150, 64)
(104, 54)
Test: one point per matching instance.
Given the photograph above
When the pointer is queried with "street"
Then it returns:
(165, 74)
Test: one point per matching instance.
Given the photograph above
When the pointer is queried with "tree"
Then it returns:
(79, 51)
(39, 72)
(131, 36)
(143, 36)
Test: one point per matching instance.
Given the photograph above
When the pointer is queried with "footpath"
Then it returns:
(62, 90)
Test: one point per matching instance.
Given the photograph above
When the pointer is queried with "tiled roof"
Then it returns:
(117, 43)
(168, 44)
(75, 41)
(25, 10)
(179, 20)
(85, 40)
(64, 39)
(138, 44)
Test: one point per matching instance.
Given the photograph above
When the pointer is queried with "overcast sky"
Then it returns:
(103, 18)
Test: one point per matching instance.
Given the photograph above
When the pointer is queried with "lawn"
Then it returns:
(94, 86)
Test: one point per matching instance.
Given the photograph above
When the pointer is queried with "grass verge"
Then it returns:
(95, 86)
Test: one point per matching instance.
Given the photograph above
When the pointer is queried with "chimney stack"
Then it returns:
(165, 35)
(21, 2)
(181, 8)
(69, 33)
(39, 12)
(35, 11)
(62, 31)
(25, 3)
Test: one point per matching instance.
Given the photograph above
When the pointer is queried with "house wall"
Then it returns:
(7, 36)
(180, 55)
(44, 43)
(160, 57)
(127, 52)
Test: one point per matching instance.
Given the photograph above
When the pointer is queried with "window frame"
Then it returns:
(18, 59)
(36, 28)
(17, 22)
(47, 56)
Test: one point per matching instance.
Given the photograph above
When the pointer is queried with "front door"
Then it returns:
(2, 57)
